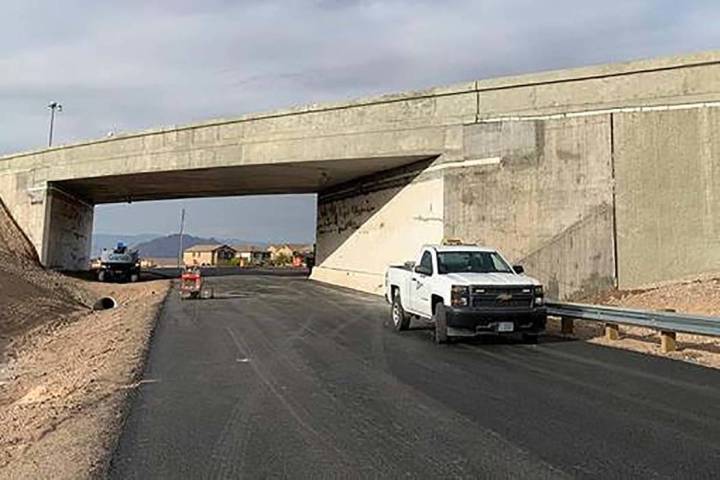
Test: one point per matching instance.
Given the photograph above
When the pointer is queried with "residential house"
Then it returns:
(208, 255)
(279, 251)
(250, 255)
(297, 255)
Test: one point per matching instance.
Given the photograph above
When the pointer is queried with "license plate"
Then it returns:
(506, 327)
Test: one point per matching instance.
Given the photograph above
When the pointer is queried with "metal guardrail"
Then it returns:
(663, 321)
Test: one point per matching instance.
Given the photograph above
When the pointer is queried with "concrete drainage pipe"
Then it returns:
(105, 303)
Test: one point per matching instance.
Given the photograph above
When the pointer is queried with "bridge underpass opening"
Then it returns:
(368, 213)
(246, 224)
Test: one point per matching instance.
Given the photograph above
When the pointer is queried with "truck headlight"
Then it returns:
(538, 293)
(460, 296)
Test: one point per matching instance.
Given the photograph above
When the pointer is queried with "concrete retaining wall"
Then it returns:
(668, 194)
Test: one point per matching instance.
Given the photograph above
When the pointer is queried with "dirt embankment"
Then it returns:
(12, 239)
(65, 370)
(30, 296)
(700, 297)
(63, 395)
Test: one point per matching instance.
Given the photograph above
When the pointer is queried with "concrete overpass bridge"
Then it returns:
(593, 177)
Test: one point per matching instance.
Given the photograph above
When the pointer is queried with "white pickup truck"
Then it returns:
(466, 291)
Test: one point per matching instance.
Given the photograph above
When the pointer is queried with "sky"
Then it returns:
(137, 64)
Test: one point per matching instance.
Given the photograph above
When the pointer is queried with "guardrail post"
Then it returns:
(612, 331)
(566, 325)
(668, 342)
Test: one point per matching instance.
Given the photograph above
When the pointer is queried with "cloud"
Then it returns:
(138, 64)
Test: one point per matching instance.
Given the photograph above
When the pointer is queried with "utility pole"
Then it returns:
(182, 227)
(54, 106)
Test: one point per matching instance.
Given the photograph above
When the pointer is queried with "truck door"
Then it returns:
(420, 284)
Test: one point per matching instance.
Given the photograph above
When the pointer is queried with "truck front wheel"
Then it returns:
(440, 321)
(400, 319)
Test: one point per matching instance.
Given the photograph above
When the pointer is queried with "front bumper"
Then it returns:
(470, 322)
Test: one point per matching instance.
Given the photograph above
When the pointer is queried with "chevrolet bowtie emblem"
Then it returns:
(504, 297)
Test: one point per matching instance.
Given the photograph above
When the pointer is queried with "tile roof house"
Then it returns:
(208, 255)
(249, 255)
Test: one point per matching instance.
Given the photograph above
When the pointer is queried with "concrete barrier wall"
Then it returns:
(662, 81)
(543, 196)
(362, 231)
(668, 194)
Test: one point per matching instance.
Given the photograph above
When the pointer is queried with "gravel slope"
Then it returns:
(700, 296)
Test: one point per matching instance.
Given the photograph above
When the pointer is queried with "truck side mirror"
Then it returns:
(518, 269)
(422, 270)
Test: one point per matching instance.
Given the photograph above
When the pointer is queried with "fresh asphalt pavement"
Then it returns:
(286, 378)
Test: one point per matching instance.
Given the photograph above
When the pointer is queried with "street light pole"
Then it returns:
(54, 106)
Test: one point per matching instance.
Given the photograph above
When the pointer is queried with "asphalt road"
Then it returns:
(285, 378)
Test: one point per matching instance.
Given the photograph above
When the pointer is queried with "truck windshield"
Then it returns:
(477, 262)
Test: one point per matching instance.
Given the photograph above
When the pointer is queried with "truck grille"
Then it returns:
(502, 297)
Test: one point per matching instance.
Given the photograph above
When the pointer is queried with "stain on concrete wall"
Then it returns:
(360, 232)
(69, 232)
(547, 201)
(668, 194)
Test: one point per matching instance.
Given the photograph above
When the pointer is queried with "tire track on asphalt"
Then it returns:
(398, 441)
(229, 449)
(268, 380)
(644, 403)
(662, 380)
(355, 420)
(377, 343)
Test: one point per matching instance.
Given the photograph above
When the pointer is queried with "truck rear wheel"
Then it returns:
(400, 319)
(440, 321)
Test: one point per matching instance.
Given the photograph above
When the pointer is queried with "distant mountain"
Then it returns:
(109, 240)
(168, 246)
(159, 246)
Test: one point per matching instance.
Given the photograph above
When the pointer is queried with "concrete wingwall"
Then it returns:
(377, 222)
(541, 193)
